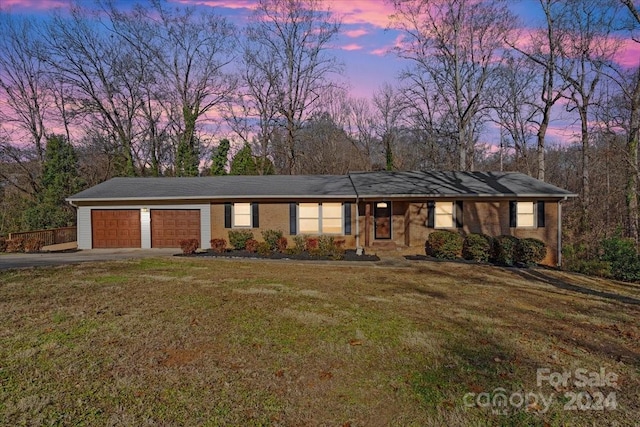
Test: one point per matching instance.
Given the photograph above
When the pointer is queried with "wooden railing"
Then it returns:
(49, 237)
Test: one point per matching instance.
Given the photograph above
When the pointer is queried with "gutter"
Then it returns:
(359, 249)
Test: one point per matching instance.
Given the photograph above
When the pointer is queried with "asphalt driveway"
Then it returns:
(19, 260)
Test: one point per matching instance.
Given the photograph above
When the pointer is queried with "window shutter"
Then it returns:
(431, 214)
(459, 214)
(540, 213)
(255, 219)
(347, 218)
(293, 229)
(512, 214)
(227, 215)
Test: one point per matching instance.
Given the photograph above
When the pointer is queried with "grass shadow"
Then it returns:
(538, 275)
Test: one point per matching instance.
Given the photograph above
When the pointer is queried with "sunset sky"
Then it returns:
(365, 42)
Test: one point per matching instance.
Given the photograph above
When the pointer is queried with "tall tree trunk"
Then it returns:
(586, 190)
(542, 131)
(632, 151)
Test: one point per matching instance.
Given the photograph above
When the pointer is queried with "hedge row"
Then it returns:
(274, 241)
(506, 250)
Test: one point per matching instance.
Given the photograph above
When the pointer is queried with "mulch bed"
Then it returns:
(349, 255)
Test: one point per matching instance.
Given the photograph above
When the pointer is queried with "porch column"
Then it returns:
(367, 224)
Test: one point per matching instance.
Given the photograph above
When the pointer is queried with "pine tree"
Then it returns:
(243, 163)
(60, 179)
(219, 158)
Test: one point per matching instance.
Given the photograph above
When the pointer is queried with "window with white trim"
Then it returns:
(444, 212)
(525, 214)
(320, 218)
(331, 218)
(242, 214)
(309, 218)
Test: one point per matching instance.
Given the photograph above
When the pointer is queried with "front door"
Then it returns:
(382, 215)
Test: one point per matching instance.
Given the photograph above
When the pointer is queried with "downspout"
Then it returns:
(560, 231)
(359, 250)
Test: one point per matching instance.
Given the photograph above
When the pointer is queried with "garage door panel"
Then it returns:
(116, 228)
(169, 226)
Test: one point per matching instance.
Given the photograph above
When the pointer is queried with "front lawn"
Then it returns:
(190, 341)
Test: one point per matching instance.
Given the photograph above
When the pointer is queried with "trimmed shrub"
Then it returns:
(476, 247)
(251, 245)
(504, 250)
(264, 249)
(530, 251)
(238, 238)
(444, 244)
(189, 246)
(310, 244)
(272, 237)
(281, 244)
(33, 245)
(15, 245)
(218, 245)
(298, 245)
(328, 247)
(3, 244)
(623, 257)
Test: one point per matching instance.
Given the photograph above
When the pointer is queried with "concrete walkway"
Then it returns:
(21, 260)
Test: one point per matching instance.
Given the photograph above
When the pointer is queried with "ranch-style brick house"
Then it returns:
(365, 209)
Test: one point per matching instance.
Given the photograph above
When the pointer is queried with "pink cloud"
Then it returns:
(352, 46)
(356, 33)
(374, 13)
(227, 4)
(33, 4)
(399, 42)
(629, 54)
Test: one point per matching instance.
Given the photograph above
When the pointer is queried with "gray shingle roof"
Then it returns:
(367, 185)
(452, 184)
(220, 187)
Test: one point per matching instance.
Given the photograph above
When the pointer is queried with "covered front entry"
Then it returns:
(115, 228)
(169, 226)
(382, 220)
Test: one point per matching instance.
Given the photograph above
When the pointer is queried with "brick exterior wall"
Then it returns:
(272, 216)
(488, 217)
(409, 223)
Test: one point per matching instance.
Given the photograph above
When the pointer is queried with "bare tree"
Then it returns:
(23, 86)
(587, 50)
(515, 108)
(389, 107)
(325, 148)
(140, 37)
(295, 36)
(629, 83)
(252, 112)
(453, 46)
(362, 130)
(543, 50)
(94, 66)
(193, 48)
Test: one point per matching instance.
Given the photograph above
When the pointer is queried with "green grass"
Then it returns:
(213, 342)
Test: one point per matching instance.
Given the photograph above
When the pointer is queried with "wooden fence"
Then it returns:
(49, 237)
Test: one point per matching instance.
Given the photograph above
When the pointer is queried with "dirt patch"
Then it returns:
(179, 357)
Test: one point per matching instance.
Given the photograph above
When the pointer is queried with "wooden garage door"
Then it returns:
(170, 226)
(115, 228)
